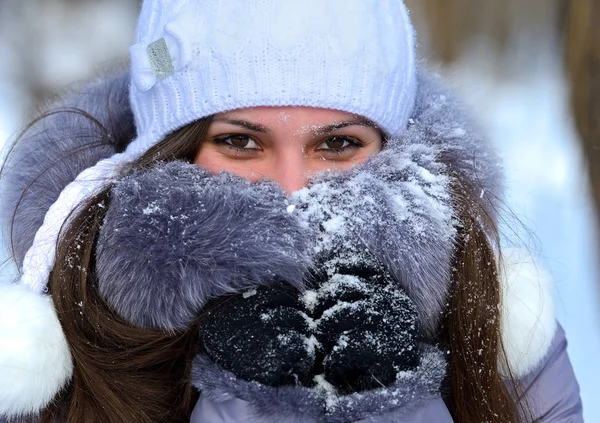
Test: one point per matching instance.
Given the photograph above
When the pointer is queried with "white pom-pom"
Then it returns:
(35, 362)
(528, 323)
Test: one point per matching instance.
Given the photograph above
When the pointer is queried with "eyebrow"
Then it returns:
(244, 124)
(323, 130)
(317, 130)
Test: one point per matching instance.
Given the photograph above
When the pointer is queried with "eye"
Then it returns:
(339, 144)
(238, 142)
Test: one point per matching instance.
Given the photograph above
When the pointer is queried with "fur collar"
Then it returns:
(397, 206)
(404, 219)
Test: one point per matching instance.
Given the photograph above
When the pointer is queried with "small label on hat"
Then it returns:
(160, 59)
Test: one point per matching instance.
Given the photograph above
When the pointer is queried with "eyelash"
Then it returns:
(221, 140)
(353, 144)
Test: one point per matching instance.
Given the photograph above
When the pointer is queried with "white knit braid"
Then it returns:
(39, 260)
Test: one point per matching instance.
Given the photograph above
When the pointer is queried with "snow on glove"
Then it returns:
(366, 325)
(372, 343)
(261, 335)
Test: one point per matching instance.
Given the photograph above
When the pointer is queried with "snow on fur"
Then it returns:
(395, 208)
(35, 362)
(176, 236)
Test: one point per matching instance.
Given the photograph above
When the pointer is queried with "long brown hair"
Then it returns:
(127, 374)
(121, 373)
(471, 328)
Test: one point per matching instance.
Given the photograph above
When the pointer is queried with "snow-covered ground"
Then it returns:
(527, 114)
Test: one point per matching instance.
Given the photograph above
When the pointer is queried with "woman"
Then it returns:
(271, 217)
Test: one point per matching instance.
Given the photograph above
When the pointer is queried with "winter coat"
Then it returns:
(396, 206)
(551, 390)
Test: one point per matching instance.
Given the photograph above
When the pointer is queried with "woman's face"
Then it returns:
(286, 144)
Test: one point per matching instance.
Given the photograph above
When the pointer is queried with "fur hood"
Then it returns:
(152, 251)
(96, 122)
(404, 217)
(86, 126)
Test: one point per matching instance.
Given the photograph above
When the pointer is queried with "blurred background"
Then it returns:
(529, 69)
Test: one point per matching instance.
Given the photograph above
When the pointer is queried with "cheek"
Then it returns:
(214, 162)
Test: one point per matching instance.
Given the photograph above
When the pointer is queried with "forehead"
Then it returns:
(290, 115)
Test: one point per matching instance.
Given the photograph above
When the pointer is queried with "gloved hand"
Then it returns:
(366, 325)
(260, 335)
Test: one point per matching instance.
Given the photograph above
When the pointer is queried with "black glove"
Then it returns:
(366, 325)
(261, 335)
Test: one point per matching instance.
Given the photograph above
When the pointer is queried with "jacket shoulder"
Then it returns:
(551, 390)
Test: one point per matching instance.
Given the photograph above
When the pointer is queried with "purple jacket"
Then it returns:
(551, 391)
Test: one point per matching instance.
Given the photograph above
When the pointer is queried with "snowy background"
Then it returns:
(528, 118)
(46, 45)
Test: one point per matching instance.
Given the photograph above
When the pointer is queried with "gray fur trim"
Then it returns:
(409, 392)
(60, 146)
(176, 236)
(57, 148)
(293, 403)
(442, 121)
(396, 207)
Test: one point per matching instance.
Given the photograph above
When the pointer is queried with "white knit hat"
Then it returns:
(192, 59)
(197, 58)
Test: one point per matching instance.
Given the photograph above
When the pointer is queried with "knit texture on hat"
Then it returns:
(351, 55)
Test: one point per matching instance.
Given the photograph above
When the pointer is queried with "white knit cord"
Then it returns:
(40, 257)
